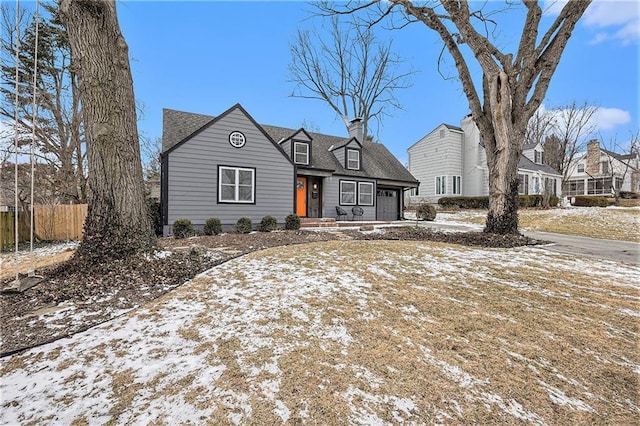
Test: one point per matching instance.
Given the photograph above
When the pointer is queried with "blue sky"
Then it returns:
(206, 56)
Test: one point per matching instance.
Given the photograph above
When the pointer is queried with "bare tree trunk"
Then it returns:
(502, 140)
(117, 223)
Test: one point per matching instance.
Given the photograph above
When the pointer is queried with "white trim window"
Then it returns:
(457, 185)
(236, 185)
(348, 193)
(538, 157)
(353, 159)
(535, 182)
(441, 185)
(581, 168)
(301, 153)
(523, 184)
(365, 193)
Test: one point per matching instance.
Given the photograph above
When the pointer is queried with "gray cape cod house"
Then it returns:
(229, 166)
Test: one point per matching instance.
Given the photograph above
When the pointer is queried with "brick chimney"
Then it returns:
(355, 129)
(593, 157)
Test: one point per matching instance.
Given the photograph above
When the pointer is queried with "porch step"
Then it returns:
(326, 222)
(317, 222)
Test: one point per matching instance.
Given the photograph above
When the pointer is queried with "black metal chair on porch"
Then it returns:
(357, 211)
(341, 213)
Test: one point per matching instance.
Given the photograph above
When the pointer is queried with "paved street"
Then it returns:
(619, 251)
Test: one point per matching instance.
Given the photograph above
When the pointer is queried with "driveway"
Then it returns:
(618, 251)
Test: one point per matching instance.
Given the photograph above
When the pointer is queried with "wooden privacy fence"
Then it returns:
(7, 228)
(61, 222)
(52, 223)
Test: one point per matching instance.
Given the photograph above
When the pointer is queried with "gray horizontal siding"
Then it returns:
(332, 197)
(193, 175)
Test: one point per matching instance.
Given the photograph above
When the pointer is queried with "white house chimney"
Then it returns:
(355, 129)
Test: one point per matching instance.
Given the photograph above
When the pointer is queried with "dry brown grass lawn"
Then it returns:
(362, 333)
(606, 223)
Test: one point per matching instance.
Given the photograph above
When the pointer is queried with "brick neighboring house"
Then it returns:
(598, 171)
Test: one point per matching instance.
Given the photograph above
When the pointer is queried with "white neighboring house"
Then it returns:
(451, 161)
(598, 171)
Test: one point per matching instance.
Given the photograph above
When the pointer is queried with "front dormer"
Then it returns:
(353, 159)
(301, 152)
(534, 152)
(349, 154)
(299, 147)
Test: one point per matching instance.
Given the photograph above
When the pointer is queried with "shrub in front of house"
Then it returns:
(268, 224)
(527, 201)
(590, 201)
(154, 214)
(524, 201)
(629, 195)
(212, 226)
(426, 212)
(244, 225)
(182, 228)
(292, 222)
(464, 202)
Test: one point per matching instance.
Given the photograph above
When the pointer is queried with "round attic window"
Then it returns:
(237, 139)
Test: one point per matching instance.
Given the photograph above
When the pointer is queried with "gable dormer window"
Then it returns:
(538, 157)
(301, 153)
(353, 159)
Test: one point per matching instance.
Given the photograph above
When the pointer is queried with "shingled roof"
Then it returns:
(377, 161)
(526, 164)
(177, 125)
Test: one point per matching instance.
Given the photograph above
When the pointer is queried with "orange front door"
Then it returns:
(301, 197)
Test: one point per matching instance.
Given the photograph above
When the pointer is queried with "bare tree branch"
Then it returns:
(350, 70)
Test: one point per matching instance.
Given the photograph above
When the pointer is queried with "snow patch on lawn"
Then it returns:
(180, 358)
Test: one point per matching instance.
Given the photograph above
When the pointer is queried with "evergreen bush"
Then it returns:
(464, 202)
(154, 214)
(182, 228)
(584, 201)
(244, 225)
(292, 222)
(212, 226)
(268, 224)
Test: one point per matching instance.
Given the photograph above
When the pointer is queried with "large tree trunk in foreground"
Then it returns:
(513, 86)
(502, 135)
(117, 223)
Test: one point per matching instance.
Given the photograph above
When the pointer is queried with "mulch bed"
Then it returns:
(107, 290)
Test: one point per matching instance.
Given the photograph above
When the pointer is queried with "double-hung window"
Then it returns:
(348, 193)
(236, 185)
(365, 193)
(457, 188)
(537, 156)
(353, 159)
(523, 184)
(301, 153)
(441, 185)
